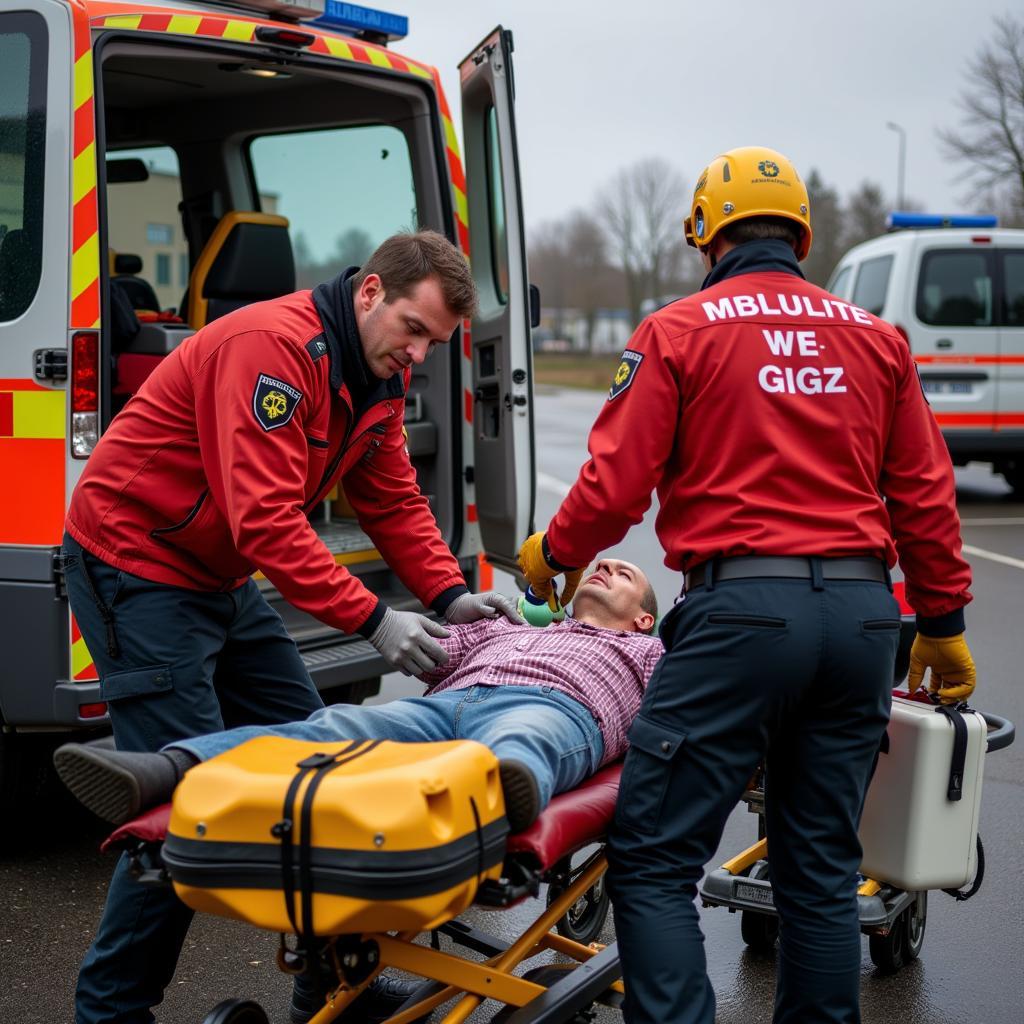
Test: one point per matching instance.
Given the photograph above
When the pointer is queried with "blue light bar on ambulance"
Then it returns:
(355, 20)
(937, 220)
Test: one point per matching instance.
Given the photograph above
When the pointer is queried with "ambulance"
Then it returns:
(164, 163)
(954, 288)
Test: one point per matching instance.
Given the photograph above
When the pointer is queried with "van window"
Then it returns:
(23, 45)
(496, 209)
(955, 289)
(872, 284)
(1013, 288)
(143, 220)
(841, 282)
(343, 190)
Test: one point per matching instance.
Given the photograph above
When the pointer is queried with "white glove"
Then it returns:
(404, 639)
(470, 607)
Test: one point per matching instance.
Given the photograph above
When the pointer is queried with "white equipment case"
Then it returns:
(920, 818)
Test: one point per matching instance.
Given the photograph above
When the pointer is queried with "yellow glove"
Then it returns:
(539, 572)
(953, 674)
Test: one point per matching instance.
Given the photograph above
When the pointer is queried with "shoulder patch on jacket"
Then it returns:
(625, 373)
(274, 402)
(317, 348)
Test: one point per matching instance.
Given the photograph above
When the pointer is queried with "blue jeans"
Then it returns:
(175, 663)
(553, 735)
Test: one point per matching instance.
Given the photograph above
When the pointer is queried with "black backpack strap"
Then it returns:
(955, 788)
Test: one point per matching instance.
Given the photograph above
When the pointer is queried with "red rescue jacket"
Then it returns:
(772, 418)
(208, 472)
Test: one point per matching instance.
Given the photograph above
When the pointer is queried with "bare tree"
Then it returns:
(546, 257)
(864, 216)
(642, 210)
(827, 225)
(586, 269)
(990, 139)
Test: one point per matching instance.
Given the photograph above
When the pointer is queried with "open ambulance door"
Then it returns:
(502, 377)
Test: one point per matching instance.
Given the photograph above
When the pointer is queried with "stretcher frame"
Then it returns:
(893, 918)
(574, 822)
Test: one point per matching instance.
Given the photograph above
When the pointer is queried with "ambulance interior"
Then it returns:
(195, 138)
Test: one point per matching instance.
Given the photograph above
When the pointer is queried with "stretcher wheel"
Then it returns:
(585, 919)
(906, 937)
(236, 1011)
(760, 931)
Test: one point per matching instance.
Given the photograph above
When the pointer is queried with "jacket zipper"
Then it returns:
(347, 442)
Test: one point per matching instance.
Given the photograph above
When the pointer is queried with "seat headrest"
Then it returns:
(254, 263)
(127, 263)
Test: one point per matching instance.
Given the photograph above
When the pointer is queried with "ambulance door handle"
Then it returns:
(944, 343)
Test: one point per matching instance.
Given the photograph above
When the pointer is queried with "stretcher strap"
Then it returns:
(317, 765)
(955, 788)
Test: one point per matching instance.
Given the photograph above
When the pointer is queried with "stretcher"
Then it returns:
(563, 848)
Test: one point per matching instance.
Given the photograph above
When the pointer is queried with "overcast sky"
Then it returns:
(601, 85)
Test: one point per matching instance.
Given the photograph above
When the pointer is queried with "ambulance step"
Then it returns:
(347, 662)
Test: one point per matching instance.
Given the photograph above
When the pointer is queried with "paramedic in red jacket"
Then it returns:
(205, 477)
(795, 458)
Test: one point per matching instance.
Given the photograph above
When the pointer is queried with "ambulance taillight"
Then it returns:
(85, 393)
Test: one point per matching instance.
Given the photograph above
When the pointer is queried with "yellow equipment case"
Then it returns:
(364, 836)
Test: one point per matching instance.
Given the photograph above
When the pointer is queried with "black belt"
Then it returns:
(786, 567)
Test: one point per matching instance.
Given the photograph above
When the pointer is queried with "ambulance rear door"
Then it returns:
(502, 375)
(35, 208)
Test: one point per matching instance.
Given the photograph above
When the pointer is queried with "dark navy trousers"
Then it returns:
(788, 669)
(173, 664)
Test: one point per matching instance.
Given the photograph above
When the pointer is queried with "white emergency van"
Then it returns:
(954, 288)
(161, 163)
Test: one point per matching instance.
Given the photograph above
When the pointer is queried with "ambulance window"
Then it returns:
(496, 209)
(955, 289)
(23, 46)
(1013, 288)
(872, 284)
(343, 190)
(143, 218)
(841, 282)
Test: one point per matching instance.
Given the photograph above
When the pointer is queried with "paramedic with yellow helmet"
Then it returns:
(795, 458)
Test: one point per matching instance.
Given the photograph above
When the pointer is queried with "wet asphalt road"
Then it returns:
(971, 970)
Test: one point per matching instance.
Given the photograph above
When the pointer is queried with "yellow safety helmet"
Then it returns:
(752, 181)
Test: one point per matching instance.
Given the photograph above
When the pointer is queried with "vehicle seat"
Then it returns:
(248, 258)
(138, 291)
(19, 273)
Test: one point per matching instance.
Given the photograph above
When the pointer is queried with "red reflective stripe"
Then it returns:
(154, 22)
(980, 419)
(486, 572)
(83, 221)
(468, 397)
(6, 414)
(83, 127)
(471, 513)
(972, 360)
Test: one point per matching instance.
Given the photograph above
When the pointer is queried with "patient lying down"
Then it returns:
(552, 704)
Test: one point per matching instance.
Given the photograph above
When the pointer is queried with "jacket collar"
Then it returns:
(348, 366)
(766, 256)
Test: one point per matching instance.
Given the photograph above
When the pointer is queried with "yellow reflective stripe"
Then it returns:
(122, 21)
(83, 77)
(461, 206)
(379, 58)
(241, 31)
(339, 48)
(417, 70)
(81, 659)
(450, 137)
(85, 266)
(38, 413)
(184, 24)
(83, 173)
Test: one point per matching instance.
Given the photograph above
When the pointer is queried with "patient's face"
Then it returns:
(614, 591)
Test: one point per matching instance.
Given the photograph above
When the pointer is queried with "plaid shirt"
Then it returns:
(606, 670)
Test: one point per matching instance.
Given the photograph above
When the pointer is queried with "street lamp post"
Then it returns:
(892, 126)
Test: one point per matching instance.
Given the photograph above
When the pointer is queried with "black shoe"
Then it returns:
(378, 1001)
(116, 785)
(522, 797)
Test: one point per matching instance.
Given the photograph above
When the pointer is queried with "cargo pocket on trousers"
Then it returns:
(645, 776)
(136, 682)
